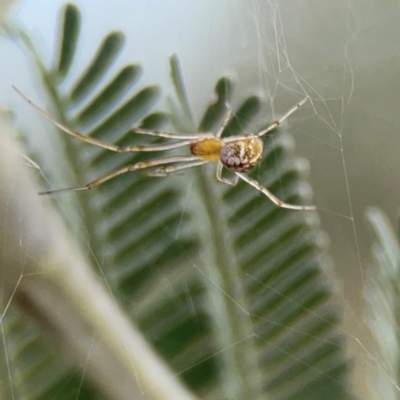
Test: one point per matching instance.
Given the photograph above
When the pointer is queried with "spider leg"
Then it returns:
(273, 198)
(239, 138)
(165, 171)
(169, 135)
(87, 139)
(113, 147)
(275, 124)
(225, 121)
(232, 182)
(128, 168)
(159, 147)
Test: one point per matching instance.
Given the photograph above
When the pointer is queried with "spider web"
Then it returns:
(282, 51)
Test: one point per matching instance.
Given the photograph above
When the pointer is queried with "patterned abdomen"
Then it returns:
(241, 155)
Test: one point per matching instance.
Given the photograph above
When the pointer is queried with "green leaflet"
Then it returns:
(69, 39)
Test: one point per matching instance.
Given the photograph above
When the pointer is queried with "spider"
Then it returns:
(238, 154)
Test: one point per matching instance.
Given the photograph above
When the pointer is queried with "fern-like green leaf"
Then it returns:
(234, 293)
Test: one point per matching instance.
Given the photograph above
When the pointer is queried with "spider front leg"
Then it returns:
(128, 168)
(170, 135)
(232, 182)
(275, 124)
(184, 139)
(273, 198)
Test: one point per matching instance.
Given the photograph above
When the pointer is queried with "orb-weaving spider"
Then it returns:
(237, 153)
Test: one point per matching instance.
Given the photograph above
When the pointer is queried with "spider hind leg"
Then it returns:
(279, 203)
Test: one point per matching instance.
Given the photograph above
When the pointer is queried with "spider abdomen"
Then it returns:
(241, 155)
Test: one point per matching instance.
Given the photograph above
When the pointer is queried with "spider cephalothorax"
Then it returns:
(237, 153)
